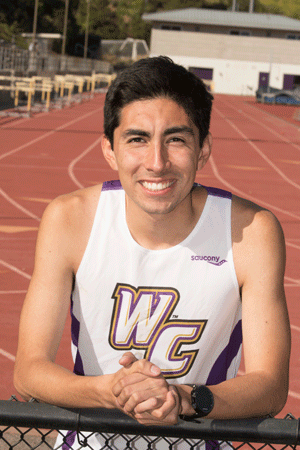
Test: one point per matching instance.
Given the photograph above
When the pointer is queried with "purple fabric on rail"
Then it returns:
(219, 370)
(113, 185)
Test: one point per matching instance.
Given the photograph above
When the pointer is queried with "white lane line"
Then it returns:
(294, 327)
(271, 130)
(292, 280)
(243, 194)
(49, 133)
(293, 245)
(294, 395)
(12, 292)
(15, 269)
(7, 355)
(75, 161)
(270, 118)
(18, 206)
(260, 152)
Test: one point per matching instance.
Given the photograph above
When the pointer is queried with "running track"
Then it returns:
(255, 155)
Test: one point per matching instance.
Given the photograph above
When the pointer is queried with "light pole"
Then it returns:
(86, 39)
(36, 6)
(63, 50)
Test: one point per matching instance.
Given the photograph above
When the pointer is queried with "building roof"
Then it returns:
(43, 35)
(201, 16)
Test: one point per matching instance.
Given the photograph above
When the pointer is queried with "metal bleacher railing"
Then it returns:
(36, 93)
(31, 81)
(35, 425)
(26, 62)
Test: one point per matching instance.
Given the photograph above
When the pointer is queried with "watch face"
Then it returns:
(203, 401)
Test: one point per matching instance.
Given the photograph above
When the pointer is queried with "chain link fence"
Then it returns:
(26, 62)
(36, 425)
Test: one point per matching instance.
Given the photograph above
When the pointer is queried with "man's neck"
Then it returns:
(161, 231)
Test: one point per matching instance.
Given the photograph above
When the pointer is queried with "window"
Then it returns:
(239, 33)
(171, 27)
(293, 36)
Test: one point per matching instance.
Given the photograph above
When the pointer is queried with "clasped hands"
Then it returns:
(141, 391)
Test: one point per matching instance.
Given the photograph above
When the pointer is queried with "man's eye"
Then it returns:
(176, 139)
(136, 139)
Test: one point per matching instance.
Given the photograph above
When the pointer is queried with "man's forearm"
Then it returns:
(251, 395)
(50, 383)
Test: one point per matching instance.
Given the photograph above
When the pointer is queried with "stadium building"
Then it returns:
(235, 52)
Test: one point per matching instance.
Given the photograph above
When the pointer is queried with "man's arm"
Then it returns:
(259, 255)
(260, 263)
(61, 242)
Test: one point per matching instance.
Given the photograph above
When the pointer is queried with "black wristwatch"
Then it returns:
(202, 401)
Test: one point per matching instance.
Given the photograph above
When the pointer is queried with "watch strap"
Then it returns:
(202, 400)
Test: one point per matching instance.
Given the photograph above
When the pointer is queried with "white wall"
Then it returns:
(236, 60)
(238, 77)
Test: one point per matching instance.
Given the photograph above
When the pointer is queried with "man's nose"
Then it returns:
(157, 158)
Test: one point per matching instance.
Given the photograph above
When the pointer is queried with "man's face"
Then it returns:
(157, 153)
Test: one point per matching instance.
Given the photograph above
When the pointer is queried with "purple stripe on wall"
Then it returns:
(111, 185)
(219, 370)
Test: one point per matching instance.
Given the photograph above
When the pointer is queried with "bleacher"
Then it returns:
(41, 93)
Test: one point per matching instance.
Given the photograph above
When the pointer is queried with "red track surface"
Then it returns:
(255, 155)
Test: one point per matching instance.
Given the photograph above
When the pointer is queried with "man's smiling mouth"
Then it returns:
(152, 186)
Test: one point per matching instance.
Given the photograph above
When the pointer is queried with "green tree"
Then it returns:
(102, 19)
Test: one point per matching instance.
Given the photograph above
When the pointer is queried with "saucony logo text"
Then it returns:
(215, 260)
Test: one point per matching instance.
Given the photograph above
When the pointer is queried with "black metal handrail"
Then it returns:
(38, 415)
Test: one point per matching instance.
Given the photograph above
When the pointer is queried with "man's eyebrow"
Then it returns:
(135, 132)
(179, 129)
(167, 132)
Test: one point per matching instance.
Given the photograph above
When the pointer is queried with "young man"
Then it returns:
(161, 272)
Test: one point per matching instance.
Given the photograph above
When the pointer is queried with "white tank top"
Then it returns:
(179, 307)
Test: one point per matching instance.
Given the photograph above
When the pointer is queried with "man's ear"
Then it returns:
(108, 152)
(205, 152)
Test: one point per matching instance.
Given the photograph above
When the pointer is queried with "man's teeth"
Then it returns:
(157, 186)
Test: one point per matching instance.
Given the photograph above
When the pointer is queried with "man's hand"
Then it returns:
(144, 394)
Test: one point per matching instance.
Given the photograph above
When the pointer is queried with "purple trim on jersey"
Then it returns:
(113, 185)
(219, 370)
(212, 445)
(69, 440)
(218, 192)
(78, 366)
(75, 328)
(215, 191)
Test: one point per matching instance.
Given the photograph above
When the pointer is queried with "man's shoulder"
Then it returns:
(257, 239)
(74, 208)
(253, 222)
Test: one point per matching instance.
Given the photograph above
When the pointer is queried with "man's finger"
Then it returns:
(127, 359)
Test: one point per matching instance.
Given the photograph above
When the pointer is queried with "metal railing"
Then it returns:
(25, 61)
(32, 425)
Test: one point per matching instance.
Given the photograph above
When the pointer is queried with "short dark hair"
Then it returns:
(158, 77)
